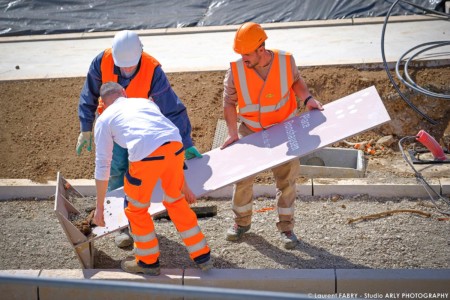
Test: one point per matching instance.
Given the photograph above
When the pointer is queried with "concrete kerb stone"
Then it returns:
(26, 189)
(407, 187)
(19, 290)
(445, 186)
(359, 283)
(276, 280)
(168, 276)
(379, 282)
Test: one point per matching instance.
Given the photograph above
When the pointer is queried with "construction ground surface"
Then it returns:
(39, 140)
(39, 131)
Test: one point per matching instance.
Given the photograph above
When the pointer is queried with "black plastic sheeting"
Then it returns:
(36, 17)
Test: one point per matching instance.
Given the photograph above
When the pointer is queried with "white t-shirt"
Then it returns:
(136, 124)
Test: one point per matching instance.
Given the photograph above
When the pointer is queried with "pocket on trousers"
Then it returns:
(179, 151)
(133, 180)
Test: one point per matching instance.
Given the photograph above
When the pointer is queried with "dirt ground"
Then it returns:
(40, 127)
(40, 124)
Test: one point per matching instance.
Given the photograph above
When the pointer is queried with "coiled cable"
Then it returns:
(408, 81)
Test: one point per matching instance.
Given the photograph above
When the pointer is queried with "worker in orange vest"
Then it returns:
(155, 152)
(142, 76)
(261, 89)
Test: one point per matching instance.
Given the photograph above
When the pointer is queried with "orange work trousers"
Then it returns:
(165, 164)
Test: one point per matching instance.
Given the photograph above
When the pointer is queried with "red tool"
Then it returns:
(431, 144)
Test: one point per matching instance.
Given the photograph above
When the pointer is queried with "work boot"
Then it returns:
(289, 239)
(206, 266)
(236, 231)
(123, 239)
(204, 262)
(131, 266)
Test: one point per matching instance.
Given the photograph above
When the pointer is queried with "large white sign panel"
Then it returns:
(260, 151)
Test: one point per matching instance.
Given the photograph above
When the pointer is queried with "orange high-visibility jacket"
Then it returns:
(262, 103)
(140, 86)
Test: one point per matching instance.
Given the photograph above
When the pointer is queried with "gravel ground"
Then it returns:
(32, 238)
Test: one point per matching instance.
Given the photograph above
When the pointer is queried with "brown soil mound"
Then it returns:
(40, 124)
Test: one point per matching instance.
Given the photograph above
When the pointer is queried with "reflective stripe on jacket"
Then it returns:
(262, 103)
(140, 86)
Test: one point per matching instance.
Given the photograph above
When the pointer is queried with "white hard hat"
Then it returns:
(126, 49)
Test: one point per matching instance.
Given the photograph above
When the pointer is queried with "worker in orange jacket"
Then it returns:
(155, 152)
(142, 76)
(261, 90)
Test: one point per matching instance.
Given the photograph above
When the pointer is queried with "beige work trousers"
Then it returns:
(285, 176)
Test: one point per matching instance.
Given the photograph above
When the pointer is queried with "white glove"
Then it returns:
(85, 138)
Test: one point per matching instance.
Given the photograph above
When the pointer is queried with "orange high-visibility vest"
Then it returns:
(140, 86)
(262, 103)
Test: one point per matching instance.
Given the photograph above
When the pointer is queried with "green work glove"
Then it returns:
(191, 152)
(85, 138)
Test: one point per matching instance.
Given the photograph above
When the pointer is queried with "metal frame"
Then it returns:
(415, 157)
(83, 247)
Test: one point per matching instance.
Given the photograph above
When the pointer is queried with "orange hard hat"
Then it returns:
(248, 38)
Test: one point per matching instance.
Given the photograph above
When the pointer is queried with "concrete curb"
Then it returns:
(26, 189)
(316, 283)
